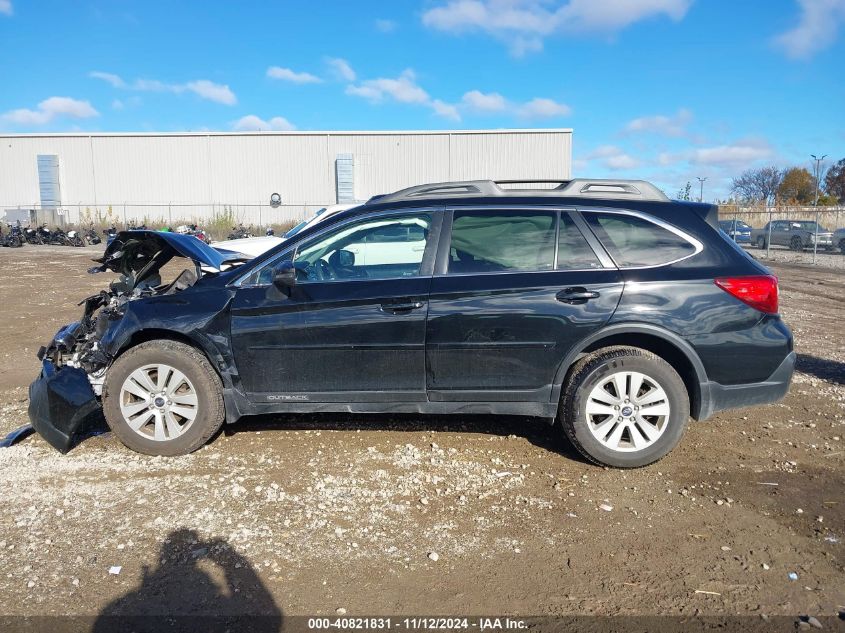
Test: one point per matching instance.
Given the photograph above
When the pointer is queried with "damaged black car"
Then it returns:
(602, 307)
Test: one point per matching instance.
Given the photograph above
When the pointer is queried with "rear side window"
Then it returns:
(501, 241)
(633, 241)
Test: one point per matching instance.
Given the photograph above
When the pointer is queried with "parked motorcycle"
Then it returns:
(73, 238)
(14, 238)
(91, 236)
(32, 236)
(239, 232)
(110, 233)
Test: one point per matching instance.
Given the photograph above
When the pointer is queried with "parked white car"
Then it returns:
(255, 246)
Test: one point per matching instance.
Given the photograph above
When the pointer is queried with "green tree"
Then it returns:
(834, 182)
(684, 194)
(797, 186)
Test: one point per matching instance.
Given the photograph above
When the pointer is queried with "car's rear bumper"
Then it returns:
(716, 397)
(62, 405)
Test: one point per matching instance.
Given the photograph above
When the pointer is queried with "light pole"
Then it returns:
(701, 190)
(818, 174)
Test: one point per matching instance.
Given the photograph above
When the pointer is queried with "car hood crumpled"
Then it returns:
(131, 245)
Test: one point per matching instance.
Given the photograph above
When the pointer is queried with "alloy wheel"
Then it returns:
(158, 402)
(627, 411)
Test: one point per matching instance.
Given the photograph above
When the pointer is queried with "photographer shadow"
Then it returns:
(198, 585)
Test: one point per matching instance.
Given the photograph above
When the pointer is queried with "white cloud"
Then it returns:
(341, 68)
(732, 154)
(203, 88)
(212, 91)
(541, 108)
(403, 89)
(612, 158)
(286, 74)
(115, 80)
(6, 7)
(253, 123)
(117, 104)
(446, 110)
(50, 109)
(817, 28)
(385, 26)
(523, 24)
(673, 126)
(478, 101)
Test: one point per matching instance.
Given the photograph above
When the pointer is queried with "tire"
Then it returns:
(178, 434)
(587, 378)
(842, 246)
(796, 244)
(761, 243)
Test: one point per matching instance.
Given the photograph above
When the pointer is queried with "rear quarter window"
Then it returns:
(633, 241)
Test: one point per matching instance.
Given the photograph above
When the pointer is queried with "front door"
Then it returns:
(352, 328)
(516, 291)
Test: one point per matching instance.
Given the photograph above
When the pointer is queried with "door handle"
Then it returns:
(576, 296)
(407, 306)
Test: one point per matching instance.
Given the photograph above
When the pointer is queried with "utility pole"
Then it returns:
(818, 161)
(701, 190)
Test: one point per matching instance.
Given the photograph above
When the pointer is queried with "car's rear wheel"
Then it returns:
(624, 407)
(163, 398)
(796, 244)
(842, 246)
(761, 242)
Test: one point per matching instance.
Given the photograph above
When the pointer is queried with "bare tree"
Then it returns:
(758, 185)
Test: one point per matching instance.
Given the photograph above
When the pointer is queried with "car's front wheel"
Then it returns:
(761, 242)
(624, 407)
(796, 244)
(163, 398)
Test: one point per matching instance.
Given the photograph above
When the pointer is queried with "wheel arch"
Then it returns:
(145, 335)
(664, 343)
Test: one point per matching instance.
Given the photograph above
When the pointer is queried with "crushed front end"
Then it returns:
(64, 401)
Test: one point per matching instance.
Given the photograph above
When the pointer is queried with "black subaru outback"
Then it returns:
(601, 306)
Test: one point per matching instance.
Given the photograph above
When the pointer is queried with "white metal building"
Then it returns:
(181, 176)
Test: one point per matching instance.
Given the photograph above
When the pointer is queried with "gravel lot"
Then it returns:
(408, 515)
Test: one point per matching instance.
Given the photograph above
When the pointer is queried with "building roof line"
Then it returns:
(292, 133)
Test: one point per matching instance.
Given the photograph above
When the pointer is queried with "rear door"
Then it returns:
(513, 291)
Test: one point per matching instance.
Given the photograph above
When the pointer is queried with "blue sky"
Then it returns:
(666, 90)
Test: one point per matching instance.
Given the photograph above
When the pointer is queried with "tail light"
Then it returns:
(758, 291)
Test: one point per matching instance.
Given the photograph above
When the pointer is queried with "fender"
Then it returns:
(628, 329)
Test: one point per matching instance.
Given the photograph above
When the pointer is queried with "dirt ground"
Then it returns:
(362, 514)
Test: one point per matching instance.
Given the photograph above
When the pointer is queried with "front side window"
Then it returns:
(634, 241)
(375, 248)
(502, 241)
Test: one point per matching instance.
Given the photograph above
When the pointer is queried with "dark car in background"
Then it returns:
(602, 307)
(737, 230)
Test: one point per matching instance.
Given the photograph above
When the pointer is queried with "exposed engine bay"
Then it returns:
(138, 257)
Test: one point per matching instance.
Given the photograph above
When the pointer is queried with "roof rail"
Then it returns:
(576, 188)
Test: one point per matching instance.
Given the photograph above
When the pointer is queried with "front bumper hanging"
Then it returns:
(62, 405)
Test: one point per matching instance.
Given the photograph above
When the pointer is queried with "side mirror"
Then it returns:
(285, 275)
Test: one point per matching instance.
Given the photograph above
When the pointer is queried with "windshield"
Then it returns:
(731, 224)
(808, 226)
(304, 223)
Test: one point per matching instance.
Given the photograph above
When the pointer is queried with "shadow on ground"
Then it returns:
(824, 368)
(196, 585)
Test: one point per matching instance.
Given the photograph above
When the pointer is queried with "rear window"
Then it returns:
(634, 241)
(484, 241)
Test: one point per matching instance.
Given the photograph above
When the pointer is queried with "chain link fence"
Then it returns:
(217, 218)
(801, 235)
